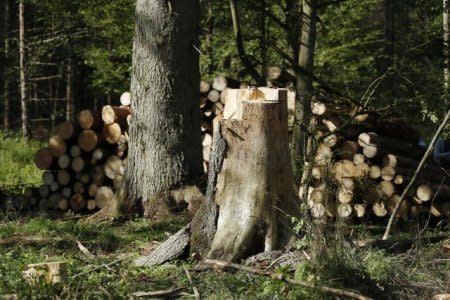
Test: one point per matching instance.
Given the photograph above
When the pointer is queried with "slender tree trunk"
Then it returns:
(23, 96)
(446, 43)
(389, 33)
(240, 45)
(165, 141)
(70, 110)
(263, 37)
(304, 87)
(6, 69)
(293, 18)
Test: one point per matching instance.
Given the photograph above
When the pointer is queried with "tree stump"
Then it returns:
(254, 188)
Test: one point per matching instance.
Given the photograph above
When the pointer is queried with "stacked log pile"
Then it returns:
(85, 161)
(361, 166)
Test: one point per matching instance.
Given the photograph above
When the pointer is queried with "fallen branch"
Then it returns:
(411, 182)
(104, 265)
(162, 293)
(194, 289)
(281, 277)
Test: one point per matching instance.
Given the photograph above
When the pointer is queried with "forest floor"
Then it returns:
(418, 271)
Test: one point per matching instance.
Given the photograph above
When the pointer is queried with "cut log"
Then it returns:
(87, 140)
(387, 173)
(64, 130)
(213, 96)
(63, 177)
(44, 191)
(390, 160)
(43, 158)
(91, 204)
(85, 119)
(111, 114)
(344, 169)
(53, 200)
(63, 204)
(104, 196)
(54, 186)
(403, 209)
(344, 195)
(48, 177)
(344, 210)
(75, 151)
(323, 155)
(358, 158)
(318, 211)
(114, 166)
(66, 192)
(92, 190)
(205, 126)
(387, 188)
(318, 108)
(362, 170)
(374, 172)
(360, 210)
(222, 82)
(78, 187)
(424, 192)
(370, 151)
(205, 86)
(112, 133)
(125, 99)
(64, 161)
(57, 146)
(379, 209)
(399, 179)
(77, 202)
(85, 178)
(78, 164)
(260, 139)
(217, 108)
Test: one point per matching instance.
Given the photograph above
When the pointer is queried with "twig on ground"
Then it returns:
(161, 293)
(194, 289)
(281, 277)
(104, 265)
(416, 173)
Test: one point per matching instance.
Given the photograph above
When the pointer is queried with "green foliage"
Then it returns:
(17, 163)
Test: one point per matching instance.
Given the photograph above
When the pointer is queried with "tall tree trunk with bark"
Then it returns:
(23, 95)
(6, 68)
(389, 33)
(304, 82)
(165, 142)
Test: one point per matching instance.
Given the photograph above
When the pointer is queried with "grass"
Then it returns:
(17, 165)
(373, 272)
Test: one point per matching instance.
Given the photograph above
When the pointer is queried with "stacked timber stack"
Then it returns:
(362, 165)
(84, 162)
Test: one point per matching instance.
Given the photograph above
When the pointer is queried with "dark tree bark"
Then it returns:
(389, 33)
(304, 87)
(70, 109)
(6, 67)
(165, 142)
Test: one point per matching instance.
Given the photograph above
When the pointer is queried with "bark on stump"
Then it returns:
(254, 190)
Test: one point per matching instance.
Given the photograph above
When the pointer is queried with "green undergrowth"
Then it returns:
(17, 169)
(373, 272)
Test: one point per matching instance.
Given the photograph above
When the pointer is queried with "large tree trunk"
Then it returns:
(254, 187)
(70, 106)
(23, 96)
(6, 68)
(165, 142)
(307, 42)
